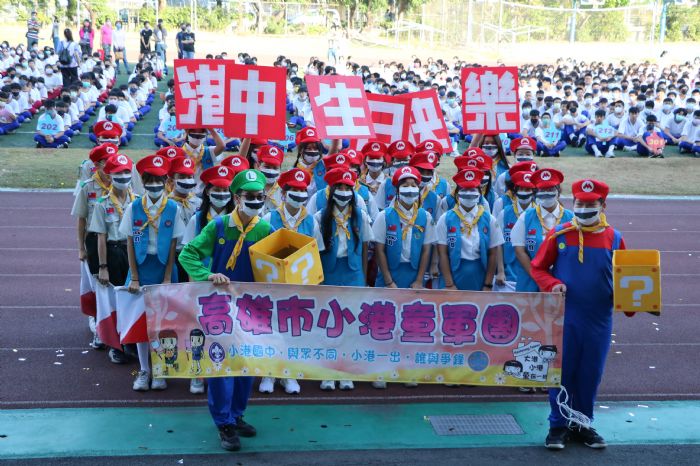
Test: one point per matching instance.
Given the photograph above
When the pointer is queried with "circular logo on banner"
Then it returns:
(187, 163)
(347, 176)
(478, 361)
(216, 352)
(108, 125)
(340, 159)
(376, 147)
(111, 149)
(431, 158)
(310, 132)
(400, 145)
(429, 145)
(472, 163)
(171, 152)
(469, 176)
(546, 175)
(122, 160)
(299, 176)
(527, 177)
(251, 176)
(274, 152)
(236, 162)
(587, 186)
(157, 162)
(222, 171)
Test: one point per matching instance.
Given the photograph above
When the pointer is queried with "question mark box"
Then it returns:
(637, 280)
(286, 257)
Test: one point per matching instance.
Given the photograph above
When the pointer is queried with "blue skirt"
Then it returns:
(152, 272)
(470, 275)
(343, 275)
(403, 276)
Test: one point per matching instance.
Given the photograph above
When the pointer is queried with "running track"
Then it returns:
(47, 361)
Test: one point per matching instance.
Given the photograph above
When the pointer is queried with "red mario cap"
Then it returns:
(220, 176)
(523, 167)
(156, 165)
(374, 149)
(355, 158)
(403, 173)
(118, 163)
(258, 142)
(294, 178)
(106, 129)
(171, 152)
(341, 175)
(271, 155)
(103, 151)
(400, 149)
(237, 163)
(473, 163)
(523, 143)
(428, 145)
(522, 180)
(338, 160)
(473, 152)
(181, 165)
(547, 178)
(468, 178)
(307, 134)
(589, 190)
(424, 160)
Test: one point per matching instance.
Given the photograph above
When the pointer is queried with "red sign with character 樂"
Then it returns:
(490, 100)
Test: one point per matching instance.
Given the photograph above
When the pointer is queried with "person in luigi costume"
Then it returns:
(225, 241)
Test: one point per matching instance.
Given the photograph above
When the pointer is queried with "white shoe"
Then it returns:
(291, 386)
(596, 152)
(267, 385)
(380, 384)
(92, 325)
(328, 385)
(141, 381)
(158, 384)
(346, 385)
(197, 386)
(631, 148)
(96, 343)
(610, 154)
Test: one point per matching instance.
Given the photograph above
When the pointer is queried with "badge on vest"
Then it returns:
(137, 235)
(168, 224)
(451, 242)
(222, 241)
(390, 240)
(531, 243)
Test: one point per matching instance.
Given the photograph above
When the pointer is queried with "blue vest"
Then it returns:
(442, 188)
(207, 160)
(533, 229)
(330, 255)
(363, 192)
(430, 204)
(393, 244)
(305, 228)
(321, 199)
(454, 238)
(509, 219)
(319, 172)
(490, 198)
(502, 167)
(389, 193)
(165, 230)
(223, 248)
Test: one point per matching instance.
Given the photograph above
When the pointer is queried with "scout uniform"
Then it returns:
(221, 177)
(270, 159)
(476, 161)
(399, 152)
(510, 214)
(225, 241)
(319, 199)
(374, 160)
(87, 166)
(182, 193)
(509, 196)
(308, 141)
(355, 164)
(202, 155)
(523, 150)
(424, 163)
(439, 185)
(580, 257)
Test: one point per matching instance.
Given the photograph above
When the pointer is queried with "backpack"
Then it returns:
(64, 56)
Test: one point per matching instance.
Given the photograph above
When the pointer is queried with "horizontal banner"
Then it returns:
(368, 334)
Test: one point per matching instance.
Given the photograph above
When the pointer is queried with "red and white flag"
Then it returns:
(427, 121)
(340, 108)
(88, 305)
(490, 100)
(391, 117)
(131, 316)
(106, 318)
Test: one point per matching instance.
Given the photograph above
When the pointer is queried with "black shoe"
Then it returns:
(556, 438)
(131, 352)
(244, 429)
(229, 438)
(589, 437)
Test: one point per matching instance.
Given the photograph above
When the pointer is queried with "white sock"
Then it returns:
(143, 351)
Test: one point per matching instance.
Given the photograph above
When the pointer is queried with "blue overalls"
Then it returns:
(467, 274)
(587, 319)
(403, 273)
(533, 241)
(344, 271)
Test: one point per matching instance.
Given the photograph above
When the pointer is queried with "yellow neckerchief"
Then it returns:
(231, 264)
(197, 158)
(115, 200)
(310, 169)
(270, 195)
(538, 209)
(153, 221)
(302, 215)
(342, 221)
(209, 215)
(185, 201)
(96, 178)
(408, 223)
(469, 225)
(603, 224)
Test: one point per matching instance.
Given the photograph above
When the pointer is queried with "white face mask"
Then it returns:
(296, 199)
(252, 208)
(342, 198)
(490, 150)
(409, 194)
(185, 185)
(374, 166)
(587, 216)
(155, 190)
(219, 200)
(271, 174)
(524, 198)
(468, 199)
(195, 142)
(311, 159)
(121, 181)
(546, 199)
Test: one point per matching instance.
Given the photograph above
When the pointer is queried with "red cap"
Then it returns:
(473, 152)
(473, 163)
(336, 161)
(181, 165)
(589, 190)
(271, 155)
(118, 163)
(428, 145)
(171, 152)
(294, 178)
(355, 158)
(156, 165)
(522, 180)
(523, 167)
(400, 149)
(103, 151)
(547, 178)
(424, 160)
(217, 176)
(107, 129)
(340, 176)
(237, 163)
(403, 173)
(523, 143)
(468, 178)
(258, 141)
(308, 134)
(374, 149)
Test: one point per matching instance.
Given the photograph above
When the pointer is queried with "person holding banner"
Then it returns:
(217, 200)
(468, 238)
(650, 133)
(524, 193)
(270, 162)
(153, 226)
(111, 243)
(576, 259)
(202, 155)
(224, 243)
(309, 150)
(493, 147)
(346, 231)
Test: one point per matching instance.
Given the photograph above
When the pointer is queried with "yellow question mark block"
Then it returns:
(637, 280)
(286, 257)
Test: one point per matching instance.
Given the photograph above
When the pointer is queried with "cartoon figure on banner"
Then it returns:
(532, 360)
(217, 355)
(197, 350)
(168, 343)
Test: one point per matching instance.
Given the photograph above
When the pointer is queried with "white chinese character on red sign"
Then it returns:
(490, 100)
(339, 106)
(253, 98)
(202, 88)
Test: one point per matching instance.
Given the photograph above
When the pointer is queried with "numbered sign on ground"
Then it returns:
(490, 100)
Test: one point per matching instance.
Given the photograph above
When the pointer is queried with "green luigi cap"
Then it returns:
(248, 180)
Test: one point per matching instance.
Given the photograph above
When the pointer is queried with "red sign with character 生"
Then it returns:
(490, 100)
(248, 101)
(340, 108)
